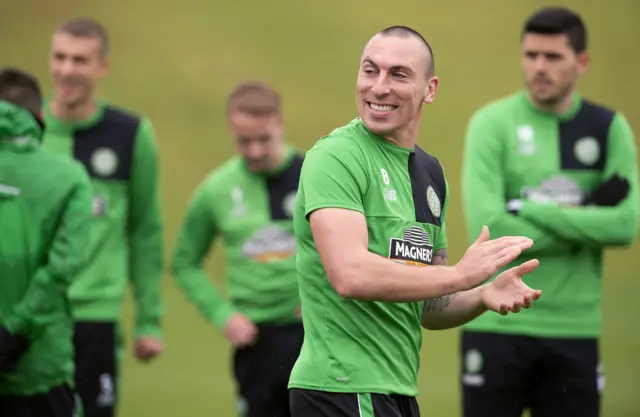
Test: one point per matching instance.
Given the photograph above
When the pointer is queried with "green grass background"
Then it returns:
(177, 61)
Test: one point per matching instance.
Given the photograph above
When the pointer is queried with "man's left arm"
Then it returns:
(454, 309)
(595, 225)
(145, 234)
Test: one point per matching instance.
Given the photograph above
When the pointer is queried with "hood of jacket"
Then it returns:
(18, 125)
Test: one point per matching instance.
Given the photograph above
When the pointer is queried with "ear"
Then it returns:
(430, 90)
(281, 126)
(583, 62)
(105, 66)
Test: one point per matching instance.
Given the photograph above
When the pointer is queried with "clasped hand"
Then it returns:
(608, 194)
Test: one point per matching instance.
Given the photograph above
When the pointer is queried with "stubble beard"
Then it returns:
(555, 99)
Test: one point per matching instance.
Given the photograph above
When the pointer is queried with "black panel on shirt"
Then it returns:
(115, 132)
(425, 170)
(591, 121)
(281, 185)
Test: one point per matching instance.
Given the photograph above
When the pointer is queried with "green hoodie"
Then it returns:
(551, 163)
(45, 215)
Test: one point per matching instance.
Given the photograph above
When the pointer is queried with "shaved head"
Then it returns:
(396, 78)
(407, 32)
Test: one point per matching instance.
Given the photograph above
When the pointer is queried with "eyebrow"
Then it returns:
(393, 68)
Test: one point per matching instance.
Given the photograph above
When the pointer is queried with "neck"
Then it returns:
(74, 112)
(407, 137)
(278, 158)
(557, 107)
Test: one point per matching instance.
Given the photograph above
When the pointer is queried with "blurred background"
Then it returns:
(176, 61)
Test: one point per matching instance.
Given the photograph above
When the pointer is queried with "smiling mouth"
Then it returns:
(541, 81)
(382, 108)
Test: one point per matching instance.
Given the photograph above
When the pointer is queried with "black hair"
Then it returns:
(21, 89)
(405, 31)
(559, 21)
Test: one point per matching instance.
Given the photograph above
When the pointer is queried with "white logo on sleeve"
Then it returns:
(433, 201)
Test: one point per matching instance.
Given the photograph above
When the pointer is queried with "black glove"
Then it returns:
(609, 193)
(12, 347)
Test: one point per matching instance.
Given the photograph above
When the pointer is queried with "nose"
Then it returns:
(254, 151)
(381, 86)
(540, 64)
(65, 67)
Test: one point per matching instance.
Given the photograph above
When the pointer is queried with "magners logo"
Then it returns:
(559, 190)
(414, 248)
(270, 244)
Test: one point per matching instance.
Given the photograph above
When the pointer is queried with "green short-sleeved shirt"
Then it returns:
(355, 345)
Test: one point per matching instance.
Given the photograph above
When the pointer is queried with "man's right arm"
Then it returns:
(334, 181)
(341, 239)
(483, 190)
(195, 238)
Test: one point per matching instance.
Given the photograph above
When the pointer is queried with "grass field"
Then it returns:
(177, 62)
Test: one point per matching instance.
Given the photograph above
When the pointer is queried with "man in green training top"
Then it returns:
(546, 164)
(248, 203)
(371, 212)
(118, 150)
(45, 219)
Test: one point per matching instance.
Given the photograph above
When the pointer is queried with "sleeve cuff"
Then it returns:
(340, 205)
(220, 317)
(148, 329)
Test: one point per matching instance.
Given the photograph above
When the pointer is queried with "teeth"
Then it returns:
(378, 107)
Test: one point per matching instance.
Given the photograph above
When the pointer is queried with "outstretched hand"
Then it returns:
(484, 258)
(508, 293)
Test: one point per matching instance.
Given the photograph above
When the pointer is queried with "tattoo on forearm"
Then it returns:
(438, 304)
(440, 257)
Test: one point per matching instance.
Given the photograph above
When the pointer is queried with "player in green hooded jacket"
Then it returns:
(45, 219)
(548, 164)
(118, 150)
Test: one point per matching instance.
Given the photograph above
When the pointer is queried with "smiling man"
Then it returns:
(118, 150)
(547, 164)
(370, 229)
